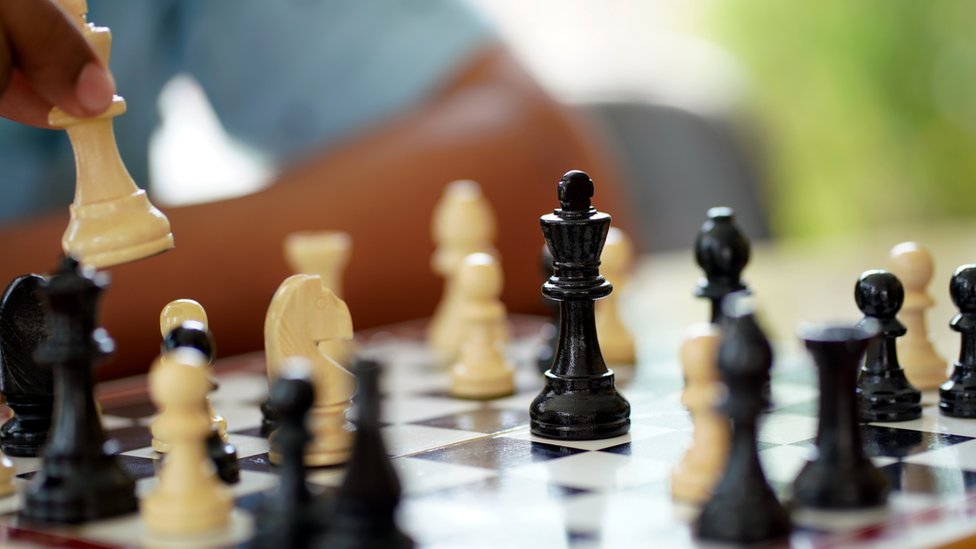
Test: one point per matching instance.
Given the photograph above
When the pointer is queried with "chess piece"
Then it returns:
(924, 368)
(579, 400)
(722, 252)
(883, 391)
(27, 385)
(483, 370)
(304, 314)
(463, 224)
(112, 220)
(957, 396)
(841, 476)
(743, 508)
(288, 516)
(549, 334)
(694, 478)
(616, 262)
(189, 499)
(326, 254)
(364, 515)
(79, 479)
(7, 472)
(183, 323)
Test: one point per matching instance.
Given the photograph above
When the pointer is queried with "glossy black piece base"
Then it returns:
(957, 396)
(579, 409)
(25, 434)
(90, 488)
(224, 456)
(756, 517)
(889, 401)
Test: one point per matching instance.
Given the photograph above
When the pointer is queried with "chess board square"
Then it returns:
(260, 463)
(598, 471)
(421, 476)
(239, 417)
(411, 409)
(625, 519)
(131, 410)
(498, 453)
(127, 530)
(407, 439)
(482, 420)
(246, 446)
(786, 428)
(961, 456)
(899, 443)
(918, 478)
(506, 489)
(669, 447)
(934, 421)
(130, 438)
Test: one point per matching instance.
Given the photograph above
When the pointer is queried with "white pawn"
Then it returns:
(616, 263)
(694, 478)
(323, 253)
(188, 499)
(483, 371)
(175, 314)
(924, 368)
(463, 224)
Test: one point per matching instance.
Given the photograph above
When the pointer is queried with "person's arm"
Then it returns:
(44, 62)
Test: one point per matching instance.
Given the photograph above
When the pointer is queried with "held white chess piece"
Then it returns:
(302, 316)
(112, 220)
(694, 477)
(189, 499)
(912, 264)
(463, 224)
(483, 370)
(616, 262)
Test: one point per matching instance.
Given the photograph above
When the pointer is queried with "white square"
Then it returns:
(596, 471)
(407, 439)
(786, 428)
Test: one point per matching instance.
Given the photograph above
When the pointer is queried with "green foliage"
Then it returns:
(868, 107)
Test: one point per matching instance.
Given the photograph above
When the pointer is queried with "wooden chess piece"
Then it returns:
(189, 499)
(483, 371)
(302, 316)
(912, 264)
(882, 388)
(463, 224)
(79, 479)
(27, 385)
(7, 472)
(112, 220)
(841, 475)
(616, 263)
(743, 508)
(323, 253)
(722, 251)
(695, 476)
(579, 400)
(183, 323)
(957, 396)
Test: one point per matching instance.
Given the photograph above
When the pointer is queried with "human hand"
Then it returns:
(45, 61)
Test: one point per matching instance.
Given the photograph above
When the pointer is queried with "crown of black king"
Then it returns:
(70, 298)
(575, 234)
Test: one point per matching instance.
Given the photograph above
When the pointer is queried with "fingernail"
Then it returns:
(94, 88)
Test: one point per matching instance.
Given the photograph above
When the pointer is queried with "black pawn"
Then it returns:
(579, 400)
(883, 391)
(195, 335)
(289, 516)
(722, 252)
(80, 479)
(27, 385)
(842, 475)
(546, 351)
(957, 396)
(743, 508)
(365, 506)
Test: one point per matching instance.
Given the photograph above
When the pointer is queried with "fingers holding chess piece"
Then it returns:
(616, 264)
(694, 478)
(924, 368)
(463, 224)
(188, 499)
(112, 220)
(183, 323)
(483, 370)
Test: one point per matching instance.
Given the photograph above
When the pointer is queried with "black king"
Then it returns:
(579, 400)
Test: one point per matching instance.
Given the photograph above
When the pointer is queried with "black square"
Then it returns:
(881, 441)
(925, 479)
(497, 453)
(131, 438)
(259, 462)
(482, 420)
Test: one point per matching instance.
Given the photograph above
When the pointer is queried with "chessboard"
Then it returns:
(473, 475)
